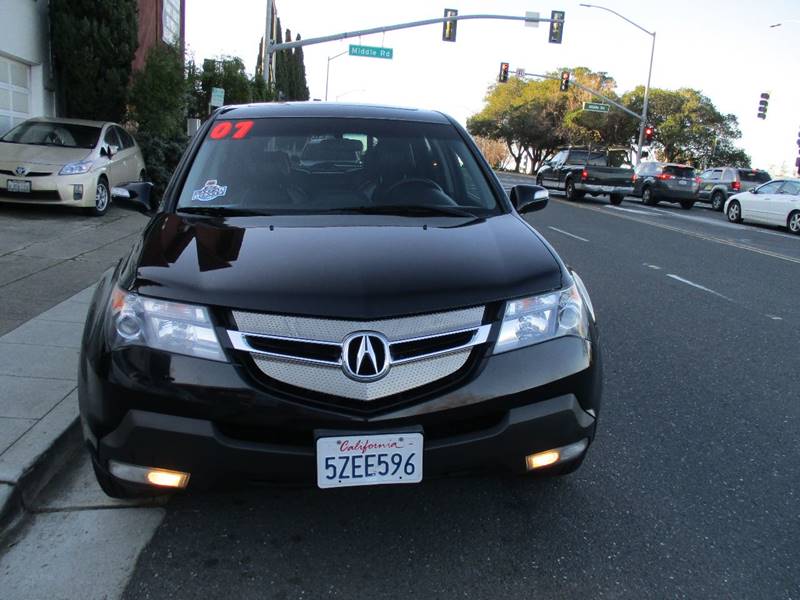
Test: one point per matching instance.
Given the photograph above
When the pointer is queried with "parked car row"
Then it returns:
(67, 162)
(744, 194)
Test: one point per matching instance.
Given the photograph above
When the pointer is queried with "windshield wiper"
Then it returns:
(405, 210)
(221, 211)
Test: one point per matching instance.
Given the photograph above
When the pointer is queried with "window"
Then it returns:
(171, 19)
(111, 139)
(619, 159)
(716, 175)
(50, 133)
(791, 187)
(404, 164)
(577, 157)
(770, 188)
(746, 175)
(14, 93)
(125, 138)
(686, 172)
(706, 174)
(559, 158)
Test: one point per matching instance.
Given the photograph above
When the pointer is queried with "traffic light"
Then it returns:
(762, 106)
(556, 26)
(797, 160)
(449, 27)
(503, 77)
(649, 132)
(564, 81)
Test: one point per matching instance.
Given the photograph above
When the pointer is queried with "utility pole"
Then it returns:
(270, 31)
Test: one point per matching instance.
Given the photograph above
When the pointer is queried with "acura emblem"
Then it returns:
(365, 356)
(21, 170)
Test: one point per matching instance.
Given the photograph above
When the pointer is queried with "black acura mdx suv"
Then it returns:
(379, 315)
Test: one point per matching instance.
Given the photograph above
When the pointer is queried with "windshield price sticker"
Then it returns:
(210, 191)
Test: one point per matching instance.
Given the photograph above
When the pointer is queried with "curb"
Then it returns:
(41, 393)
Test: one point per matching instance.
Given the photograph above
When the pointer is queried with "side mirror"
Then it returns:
(109, 151)
(137, 195)
(529, 198)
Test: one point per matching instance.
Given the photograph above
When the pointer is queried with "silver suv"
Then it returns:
(718, 184)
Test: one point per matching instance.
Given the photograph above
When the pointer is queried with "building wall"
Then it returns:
(152, 25)
(27, 86)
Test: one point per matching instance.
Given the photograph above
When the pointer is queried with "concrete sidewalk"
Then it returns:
(39, 427)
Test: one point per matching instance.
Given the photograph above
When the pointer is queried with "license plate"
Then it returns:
(350, 460)
(683, 182)
(18, 185)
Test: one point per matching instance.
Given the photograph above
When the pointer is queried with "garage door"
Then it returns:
(15, 93)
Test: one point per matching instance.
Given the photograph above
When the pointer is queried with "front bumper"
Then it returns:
(590, 188)
(53, 189)
(198, 447)
(211, 420)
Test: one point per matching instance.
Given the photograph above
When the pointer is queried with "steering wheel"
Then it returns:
(416, 184)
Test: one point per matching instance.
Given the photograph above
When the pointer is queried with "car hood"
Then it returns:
(27, 154)
(349, 267)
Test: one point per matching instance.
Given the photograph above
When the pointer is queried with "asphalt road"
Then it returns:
(690, 490)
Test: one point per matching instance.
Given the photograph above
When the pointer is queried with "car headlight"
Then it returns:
(536, 319)
(76, 168)
(162, 325)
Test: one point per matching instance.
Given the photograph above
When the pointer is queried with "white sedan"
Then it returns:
(777, 202)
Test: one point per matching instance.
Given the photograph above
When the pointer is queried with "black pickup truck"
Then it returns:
(581, 171)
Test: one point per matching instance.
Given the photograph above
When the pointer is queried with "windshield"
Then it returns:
(45, 133)
(317, 165)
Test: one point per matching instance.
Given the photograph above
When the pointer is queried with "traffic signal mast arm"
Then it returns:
(351, 34)
(587, 89)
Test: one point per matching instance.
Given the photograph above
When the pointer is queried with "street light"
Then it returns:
(649, 75)
(328, 70)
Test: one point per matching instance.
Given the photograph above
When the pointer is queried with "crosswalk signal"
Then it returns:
(564, 81)
(556, 26)
(762, 106)
(449, 27)
(503, 77)
(649, 132)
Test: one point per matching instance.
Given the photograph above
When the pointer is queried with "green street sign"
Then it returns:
(371, 51)
(596, 107)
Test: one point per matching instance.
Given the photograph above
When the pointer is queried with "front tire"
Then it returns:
(616, 199)
(102, 198)
(687, 204)
(647, 197)
(718, 201)
(734, 212)
(793, 222)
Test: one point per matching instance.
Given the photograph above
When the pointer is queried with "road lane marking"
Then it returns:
(572, 235)
(775, 317)
(654, 267)
(708, 238)
(631, 210)
(698, 286)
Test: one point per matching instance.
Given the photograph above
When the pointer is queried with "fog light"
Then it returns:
(542, 459)
(164, 478)
(555, 455)
(77, 191)
(149, 475)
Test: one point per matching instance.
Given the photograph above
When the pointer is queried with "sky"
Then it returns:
(723, 48)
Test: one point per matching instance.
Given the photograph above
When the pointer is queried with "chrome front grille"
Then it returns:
(307, 353)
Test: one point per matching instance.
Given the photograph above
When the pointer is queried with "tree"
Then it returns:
(290, 71)
(93, 44)
(158, 107)
(260, 59)
(494, 151)
(228, 73)
(689, 128)
(301, 89)
(158, 103)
